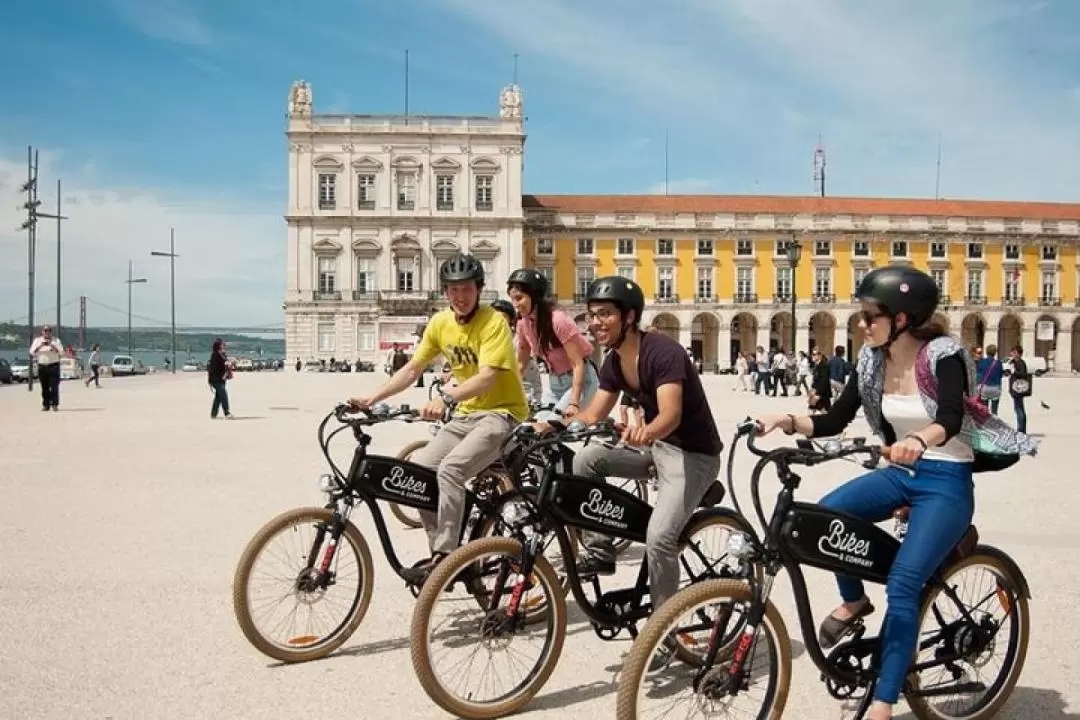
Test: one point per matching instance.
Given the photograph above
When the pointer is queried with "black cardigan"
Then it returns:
(952, 383)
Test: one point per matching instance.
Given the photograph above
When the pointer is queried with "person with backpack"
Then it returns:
(989, 371)
(915, 385)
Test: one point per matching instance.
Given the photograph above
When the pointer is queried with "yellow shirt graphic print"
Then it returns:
(485, 341)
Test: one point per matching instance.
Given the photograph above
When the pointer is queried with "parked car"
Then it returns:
(71, 368)
(22, 370)
(6, 376)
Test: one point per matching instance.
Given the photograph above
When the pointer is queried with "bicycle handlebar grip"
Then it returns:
(886, 452)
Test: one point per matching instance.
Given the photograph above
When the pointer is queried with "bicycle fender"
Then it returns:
(1009, 563)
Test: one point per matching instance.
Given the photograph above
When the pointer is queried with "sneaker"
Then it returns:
(588, 566)
(418, 574)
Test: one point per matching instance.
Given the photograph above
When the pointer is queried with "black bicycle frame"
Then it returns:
(568, 501)
(800, 534)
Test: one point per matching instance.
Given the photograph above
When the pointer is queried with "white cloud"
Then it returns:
(171, 20)
(880, 81)
(231, 268)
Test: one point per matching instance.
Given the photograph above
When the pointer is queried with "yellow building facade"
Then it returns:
(717, 272)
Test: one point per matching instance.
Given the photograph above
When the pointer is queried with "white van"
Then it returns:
(122, 365)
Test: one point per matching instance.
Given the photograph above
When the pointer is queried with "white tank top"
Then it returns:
(907, 414)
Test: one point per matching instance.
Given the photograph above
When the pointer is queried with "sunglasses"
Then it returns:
(868, 317)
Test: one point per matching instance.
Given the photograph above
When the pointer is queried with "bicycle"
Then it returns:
(954, 634)
(313, 566)
(410, 518)
(563, 505)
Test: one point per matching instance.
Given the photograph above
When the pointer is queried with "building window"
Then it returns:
(365, 338)
(444, 192)
(705, 246)
(1049, 286)
(585, 276)
(937, 250)
(327, 275)
(625, 246)
(1012, 251)
(975, 251)
(822, 282)
(665, 287)
(781, 248)
(406, 190)
(327, 191)
(975, 284)
(705, 283)
(549, 273)
(861, 249)
(545, 246)
(665, 246)
(326, 337)
(365, 276)
(584, 246)
(406, 274)
(899, 249)
(744, 282)
(1013, 290)
(822, 248)
(484, 192)
(744, 247)
(1049, 252)
(783, 282)
(859, 276)
(938, 276)
(625, 271)
(365, 192)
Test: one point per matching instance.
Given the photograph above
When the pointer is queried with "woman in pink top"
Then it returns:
(548, 333)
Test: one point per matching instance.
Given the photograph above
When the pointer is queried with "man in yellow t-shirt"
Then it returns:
(490, 398)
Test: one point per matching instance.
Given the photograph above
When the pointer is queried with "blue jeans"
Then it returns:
(942, 500)
(561, 387)
(221, 398)
(1021, 413)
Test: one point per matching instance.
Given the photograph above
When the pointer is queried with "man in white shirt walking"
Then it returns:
(47, 350)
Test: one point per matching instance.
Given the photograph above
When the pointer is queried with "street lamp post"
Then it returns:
(172, 287)
(794, 254)
(131, 281)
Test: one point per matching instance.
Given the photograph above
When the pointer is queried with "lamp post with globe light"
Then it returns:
(794, 254)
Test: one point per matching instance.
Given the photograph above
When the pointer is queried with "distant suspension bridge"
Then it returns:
(149, 323)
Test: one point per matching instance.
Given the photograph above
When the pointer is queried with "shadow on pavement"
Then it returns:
(1027, 703)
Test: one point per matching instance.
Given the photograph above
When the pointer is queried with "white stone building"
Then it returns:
(376, 203)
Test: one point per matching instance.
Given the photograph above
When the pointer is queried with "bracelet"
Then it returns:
(792, 430)
(913, 436)
(573, 405)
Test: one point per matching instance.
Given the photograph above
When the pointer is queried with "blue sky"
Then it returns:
(159, 113)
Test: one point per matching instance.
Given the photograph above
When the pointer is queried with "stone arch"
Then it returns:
(822, 332)
(668, 324)
(855, 337)
(1010, 331)
(972, 330)
(744, 327)
(705, 339)
(1046, 348)
(780, 325)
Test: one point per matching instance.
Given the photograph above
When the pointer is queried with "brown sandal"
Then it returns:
(833, 629)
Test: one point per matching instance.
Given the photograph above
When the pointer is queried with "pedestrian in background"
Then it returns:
(95, 367)
(218, 373)
(46, 351)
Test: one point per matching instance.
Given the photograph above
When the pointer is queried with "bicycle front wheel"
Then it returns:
(286, 605)
(487, 662)
(655, 684)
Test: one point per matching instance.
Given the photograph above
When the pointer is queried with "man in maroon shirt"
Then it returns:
(679, 435)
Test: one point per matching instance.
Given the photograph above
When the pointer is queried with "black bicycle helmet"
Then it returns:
(901, 289)
(531, 281)
(460, 267)
(506, 308)
(624, 293)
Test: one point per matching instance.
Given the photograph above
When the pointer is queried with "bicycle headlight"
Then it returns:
(326, 483)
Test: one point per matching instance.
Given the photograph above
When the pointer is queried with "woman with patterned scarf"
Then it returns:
(916, 387)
